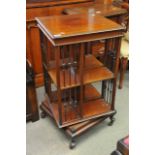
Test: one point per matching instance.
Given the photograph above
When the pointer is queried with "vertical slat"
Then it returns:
(81, 77)
(108, 91)
(86, 48)
(70, 74)
(67, 70)
(75, 63)
(106, 96)
(57, 58)
(111, 89)
(106, 51)
(65, 104)
(103, 89)
(89, 47)
(62, 56)
(113, 61)
(70, 64)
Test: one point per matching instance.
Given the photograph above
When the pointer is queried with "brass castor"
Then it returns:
(43, 114)
(72, 144)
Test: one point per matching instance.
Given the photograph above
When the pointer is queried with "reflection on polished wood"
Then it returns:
(102, 9)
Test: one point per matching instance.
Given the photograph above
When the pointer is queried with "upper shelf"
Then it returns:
(93, 71)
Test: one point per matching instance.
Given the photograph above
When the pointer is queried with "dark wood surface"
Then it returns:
(87, 27)
(31, 100)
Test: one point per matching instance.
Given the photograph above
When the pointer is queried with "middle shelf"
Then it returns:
(94, 71)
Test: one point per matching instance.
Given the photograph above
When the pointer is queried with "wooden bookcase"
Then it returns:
(70, 70)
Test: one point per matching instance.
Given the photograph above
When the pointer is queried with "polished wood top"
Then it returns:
(105, 10)
(75, 25)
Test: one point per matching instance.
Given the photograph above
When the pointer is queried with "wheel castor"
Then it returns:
(112, 120)
(72, 144)
(43, 114)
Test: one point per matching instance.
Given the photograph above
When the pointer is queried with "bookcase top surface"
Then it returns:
(78, 24)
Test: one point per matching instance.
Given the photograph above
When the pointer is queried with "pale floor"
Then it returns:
(44, 138)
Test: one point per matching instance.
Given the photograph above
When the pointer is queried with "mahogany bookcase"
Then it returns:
(70, 70)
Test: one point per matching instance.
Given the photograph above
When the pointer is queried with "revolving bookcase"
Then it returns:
(70, 70)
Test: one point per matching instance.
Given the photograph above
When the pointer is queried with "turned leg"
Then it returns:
(43, 114)
(72, 143)
(112, 120)
(123, 66)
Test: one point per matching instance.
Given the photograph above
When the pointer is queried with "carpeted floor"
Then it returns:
(44, 138)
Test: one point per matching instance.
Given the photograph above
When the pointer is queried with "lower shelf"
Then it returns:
(91, 109)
